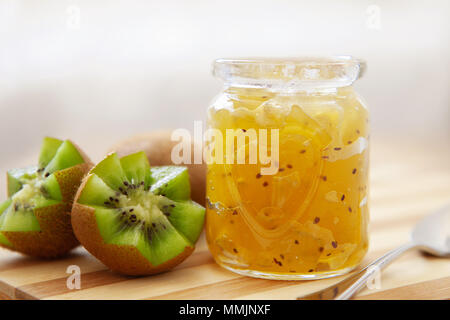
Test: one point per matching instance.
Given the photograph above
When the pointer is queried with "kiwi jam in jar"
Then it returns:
(308, 217)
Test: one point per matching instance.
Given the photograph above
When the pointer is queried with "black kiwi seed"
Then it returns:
(153, 225)
(125, 183)
(131, 210)
(47, 174)
(172, 205)
(111, 199)
(133, 218)
(44, 191)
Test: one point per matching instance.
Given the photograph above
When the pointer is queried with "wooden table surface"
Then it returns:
(408, 181)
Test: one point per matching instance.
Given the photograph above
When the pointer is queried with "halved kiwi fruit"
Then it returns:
(35, 220)
(137, 220)
(158, 147)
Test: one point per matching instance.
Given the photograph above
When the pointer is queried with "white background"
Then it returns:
(134, 66)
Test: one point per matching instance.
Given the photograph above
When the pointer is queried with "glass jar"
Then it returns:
(300, 210)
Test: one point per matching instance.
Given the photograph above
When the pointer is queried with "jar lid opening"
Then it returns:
(290, 73)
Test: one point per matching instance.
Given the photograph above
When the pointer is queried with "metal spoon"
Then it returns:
(431, 235)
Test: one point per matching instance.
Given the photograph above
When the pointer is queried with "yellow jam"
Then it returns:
(309, 220)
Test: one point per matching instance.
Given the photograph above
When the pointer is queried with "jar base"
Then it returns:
(288, 276)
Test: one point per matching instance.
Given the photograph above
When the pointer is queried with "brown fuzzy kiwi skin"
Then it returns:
(123, 259)
(158, 146)
(56, 236)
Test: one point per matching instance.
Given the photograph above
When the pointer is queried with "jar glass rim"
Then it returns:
(290, 73)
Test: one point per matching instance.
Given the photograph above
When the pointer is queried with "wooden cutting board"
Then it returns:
(407, 182)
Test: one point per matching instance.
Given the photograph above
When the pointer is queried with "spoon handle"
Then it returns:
(350, 285)
(372, 268)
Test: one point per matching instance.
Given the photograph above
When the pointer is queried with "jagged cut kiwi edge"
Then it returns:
(15, 184)
(112, 234)
(51, 188)
(165, 177)
(190, 225)
(107, 217)
(14, 177)
(48, 150)
(23, 220)
(112, 163)
(97, 192)
(137, 168)
(163, 246)
(66, 156)
(110, 171)
(108, 177)
(33, 221)
(3, 207)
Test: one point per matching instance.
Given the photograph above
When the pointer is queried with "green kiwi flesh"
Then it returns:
(34, 188)
(146, 208)
(172, 182)
(66, 156)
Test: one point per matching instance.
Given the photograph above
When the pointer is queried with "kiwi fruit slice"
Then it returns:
(158, 145)
(35, 219)
(137, 219)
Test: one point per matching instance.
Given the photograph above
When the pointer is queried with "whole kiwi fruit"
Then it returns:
(158, 146)
(35, 219)
(137, 219)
